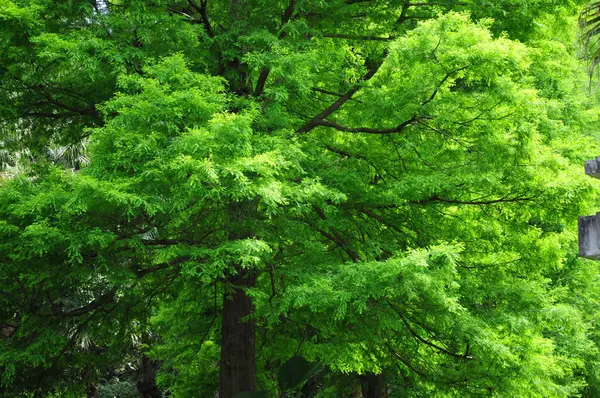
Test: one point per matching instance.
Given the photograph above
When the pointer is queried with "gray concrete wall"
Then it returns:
(589, 236)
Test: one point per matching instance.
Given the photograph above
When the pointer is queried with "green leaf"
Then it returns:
(296, 371)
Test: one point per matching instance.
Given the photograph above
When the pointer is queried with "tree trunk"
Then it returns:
(238, 363)
(147, 385)
(373, 386)
(92, 391)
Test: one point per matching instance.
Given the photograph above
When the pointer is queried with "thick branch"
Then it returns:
(320, 118)
(323, 91)
(392, 130)
(437, 199)
(383, 221)
(349, 2)
(110, 295)
(203, 14)
(405, 361)
(169, 242)
(340, 243)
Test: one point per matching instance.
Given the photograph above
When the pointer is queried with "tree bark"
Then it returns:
(238, 363)
(374, 386)
(92, 391)
(147, 385)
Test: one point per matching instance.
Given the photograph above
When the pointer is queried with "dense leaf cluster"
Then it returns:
(381, 197)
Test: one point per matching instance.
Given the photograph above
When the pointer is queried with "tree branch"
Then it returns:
(436, 198)
(423, 340)
(432, 96)
(434, 4)
(318, 119)
(203, 14)
(145, 271)
(99, 302)
(344, 153)
(188, 16)
(353, 37)
(264, 73)
(323, 91)
(405, 361)
(335, 237)
(349, 2)
(392, 130)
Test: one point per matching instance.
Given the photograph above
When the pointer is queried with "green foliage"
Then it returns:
(118, 388)
(295, 372)
(405, 194)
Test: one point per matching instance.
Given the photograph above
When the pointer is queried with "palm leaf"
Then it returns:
(589, 23)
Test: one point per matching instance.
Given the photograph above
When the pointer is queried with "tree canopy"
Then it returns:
(295, 198)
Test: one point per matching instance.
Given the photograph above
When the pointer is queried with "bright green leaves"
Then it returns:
(421, 229)
(423, 275)
(160, 107)
(171, 125)
(11, 11)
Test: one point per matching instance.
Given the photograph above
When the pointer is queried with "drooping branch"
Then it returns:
(349, 2)
(340, 243)
(110, 296)
(51, 115)
(420, 338)
(427, 342)
(91, 110)
(404, 360)
(212, 321)
(169, 242)
(381, 220)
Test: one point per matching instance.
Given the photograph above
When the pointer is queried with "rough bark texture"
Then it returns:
(238, 364)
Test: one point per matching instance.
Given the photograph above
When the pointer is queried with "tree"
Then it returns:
(311, 173)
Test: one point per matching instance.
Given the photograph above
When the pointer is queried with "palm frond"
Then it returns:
(589, 23)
